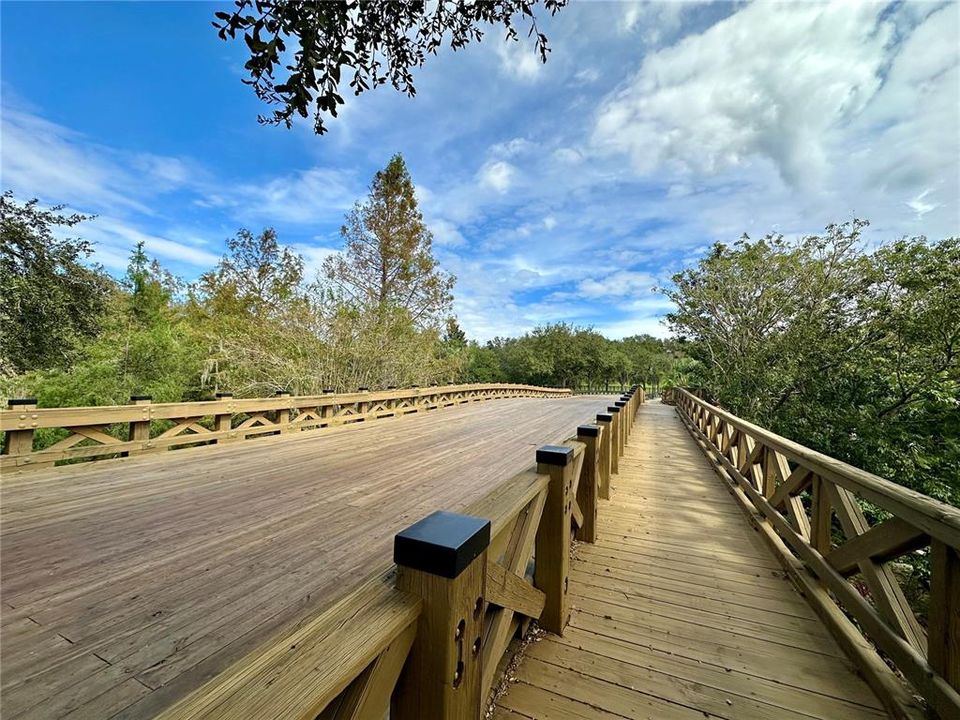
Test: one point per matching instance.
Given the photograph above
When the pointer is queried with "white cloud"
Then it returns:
(549, 222)
(919, 204)
(446, 233)
(115, 239)
(769, 81)
(498, 175)
(519, 59)
(42, 159)
(618, 284)
(512, 148)
(305, 196)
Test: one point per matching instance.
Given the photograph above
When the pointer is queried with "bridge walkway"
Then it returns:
(129, 583)
(680, 611)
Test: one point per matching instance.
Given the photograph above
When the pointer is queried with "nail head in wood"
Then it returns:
(443, 543)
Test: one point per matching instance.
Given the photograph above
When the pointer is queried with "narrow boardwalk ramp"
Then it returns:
(680, 611)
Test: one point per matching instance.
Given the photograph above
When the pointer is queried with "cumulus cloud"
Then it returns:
(770, 81)
(498, 175)
(519, 60)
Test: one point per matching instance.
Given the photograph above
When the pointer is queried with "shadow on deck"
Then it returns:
(680, 611)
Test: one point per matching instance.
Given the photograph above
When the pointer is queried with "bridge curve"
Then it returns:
(128, 583)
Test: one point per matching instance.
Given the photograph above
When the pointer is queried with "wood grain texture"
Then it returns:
(129, 583)
(680, 611)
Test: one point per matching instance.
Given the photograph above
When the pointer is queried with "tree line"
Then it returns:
(378, 314)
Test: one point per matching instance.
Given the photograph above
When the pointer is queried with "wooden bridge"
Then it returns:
(716, 570)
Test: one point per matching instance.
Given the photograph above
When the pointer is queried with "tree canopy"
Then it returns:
(51, 301)
(378, 42)
(853, 353)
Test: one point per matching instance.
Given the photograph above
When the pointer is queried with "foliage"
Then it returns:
(849, 352)
(377, 41)
(51, 303)
(388, 261)
(568, 356)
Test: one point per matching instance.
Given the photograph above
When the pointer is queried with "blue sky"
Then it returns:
(557, 192)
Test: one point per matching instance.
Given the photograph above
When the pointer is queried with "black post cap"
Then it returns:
(414, 386)
(362, 389)
(328, 391)
(588, 430)
(604, 417)
(391, 387)
(282, 392)
(443, 543)
(13, 402)
(140, 397)
(224, 395)
(613, 409)
(554, 455)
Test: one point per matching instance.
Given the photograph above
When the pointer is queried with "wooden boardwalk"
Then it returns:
(680, 611)
(129, 583)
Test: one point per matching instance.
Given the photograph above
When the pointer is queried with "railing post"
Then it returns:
(628, 408)
(607, 465)
(223, 422)
(588, 488)
(283, 414)
(139, 430)
(20, 442)
(363, 406)
(552, 556)
(944, 612)
(326, 411)
(443, 560)
(624, 418)
(618, 423)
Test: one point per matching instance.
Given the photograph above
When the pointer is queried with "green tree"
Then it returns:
(51, 302)
(388, 262)
(379, 42)
(849, 352)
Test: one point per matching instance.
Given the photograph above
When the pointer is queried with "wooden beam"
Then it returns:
(885, 541)
(944, 613)
(508, 590)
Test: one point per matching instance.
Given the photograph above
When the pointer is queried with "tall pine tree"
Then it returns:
(388, 264)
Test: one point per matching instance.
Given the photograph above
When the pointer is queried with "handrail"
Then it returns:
(797, 492)
(225, 419)
(446, 634)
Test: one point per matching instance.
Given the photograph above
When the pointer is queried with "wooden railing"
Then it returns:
(808, 507)
(424, 637)
(144, 426)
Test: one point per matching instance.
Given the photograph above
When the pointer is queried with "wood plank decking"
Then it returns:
(680, 611)
(129, 583)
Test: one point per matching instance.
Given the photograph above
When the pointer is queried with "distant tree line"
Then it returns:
(378, 314)
(579, 358)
